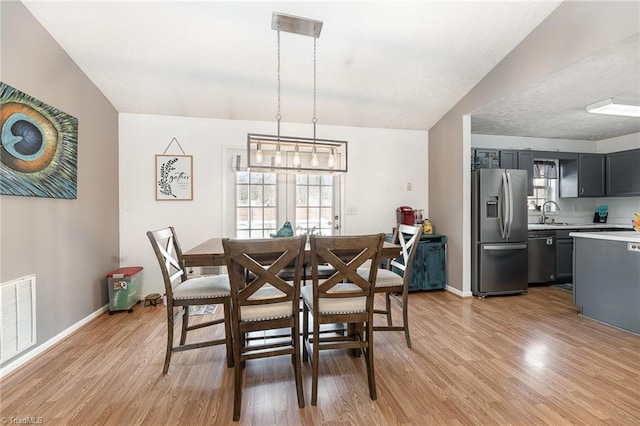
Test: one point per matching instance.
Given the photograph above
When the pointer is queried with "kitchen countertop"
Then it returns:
(540, 226)
(626, 236)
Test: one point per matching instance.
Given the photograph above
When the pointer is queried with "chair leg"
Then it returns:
(405, 318)
(314, 366)
(227, 331)
(237, 392)
(305, 332)
(297, 365)
(167, 357)
(238, 367)
(387, 298)
(185, 325)
(369, 360)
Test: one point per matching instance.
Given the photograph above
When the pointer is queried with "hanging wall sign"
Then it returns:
(174, 176)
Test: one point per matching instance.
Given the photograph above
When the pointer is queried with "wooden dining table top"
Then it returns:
(211, 253)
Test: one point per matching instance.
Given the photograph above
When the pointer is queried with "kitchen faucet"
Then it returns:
(544, 217)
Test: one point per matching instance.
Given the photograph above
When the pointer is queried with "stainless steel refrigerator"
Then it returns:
(499, 260)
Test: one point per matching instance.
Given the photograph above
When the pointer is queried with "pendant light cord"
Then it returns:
(314, 120)
(278, 115)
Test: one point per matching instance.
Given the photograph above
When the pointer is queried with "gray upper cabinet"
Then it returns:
(583, 177)
(485, 159)
(591, 175)
(525, 162)
(508, 159)
(623, 173)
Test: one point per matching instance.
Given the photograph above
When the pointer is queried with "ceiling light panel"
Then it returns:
(614, 107)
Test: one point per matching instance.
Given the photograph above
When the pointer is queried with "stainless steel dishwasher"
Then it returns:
(542, 256)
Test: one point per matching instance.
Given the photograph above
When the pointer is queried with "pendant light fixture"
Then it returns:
(288, 154)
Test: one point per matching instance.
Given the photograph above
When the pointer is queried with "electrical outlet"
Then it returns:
(409, 186)
(633, 247)
(352, 210)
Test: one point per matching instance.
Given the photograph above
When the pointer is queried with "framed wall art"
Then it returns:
(174, 173)
(38, 147)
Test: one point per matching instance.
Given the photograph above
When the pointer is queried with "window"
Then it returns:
(263, 203)
(256, 206)
(545, 178)
(314, 204)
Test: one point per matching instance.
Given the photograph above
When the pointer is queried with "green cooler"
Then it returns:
(124, 288)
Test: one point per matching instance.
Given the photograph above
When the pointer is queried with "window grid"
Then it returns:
(543, 190)
(314, 204)
(256, 204)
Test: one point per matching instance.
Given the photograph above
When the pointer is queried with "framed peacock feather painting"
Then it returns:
(38, 147)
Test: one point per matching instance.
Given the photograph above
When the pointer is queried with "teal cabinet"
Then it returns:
(429, 269)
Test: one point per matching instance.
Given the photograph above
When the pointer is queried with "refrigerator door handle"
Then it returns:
(503, 208)
(507, 247)
(510, 191)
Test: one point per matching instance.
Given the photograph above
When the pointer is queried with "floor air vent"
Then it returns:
(17, 316)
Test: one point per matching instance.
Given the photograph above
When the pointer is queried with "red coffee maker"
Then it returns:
(405, 215)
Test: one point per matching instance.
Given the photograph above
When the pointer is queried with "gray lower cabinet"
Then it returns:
(623, 173)
(564, 258)
(607, 282)
(564, 250)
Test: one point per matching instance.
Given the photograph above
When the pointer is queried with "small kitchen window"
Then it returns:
(545, 187)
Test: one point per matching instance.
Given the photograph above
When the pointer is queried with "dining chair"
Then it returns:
(344, 297)
(393, 281)
(182, 292)
(264, 302)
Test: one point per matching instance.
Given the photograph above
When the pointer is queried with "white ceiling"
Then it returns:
(555, 106)
(379, 64)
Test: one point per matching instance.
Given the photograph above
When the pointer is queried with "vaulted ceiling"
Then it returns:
(379, 64)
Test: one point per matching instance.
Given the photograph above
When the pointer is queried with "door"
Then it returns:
(517, 226)
(503, 268)
(316, 204)
(488, 205)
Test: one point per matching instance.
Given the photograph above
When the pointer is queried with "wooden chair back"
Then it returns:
(407, 237)
(169, 255)
(344, 254)
(254, 264)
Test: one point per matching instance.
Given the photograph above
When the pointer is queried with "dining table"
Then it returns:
(211, 253)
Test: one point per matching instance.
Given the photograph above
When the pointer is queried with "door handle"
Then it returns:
(506, 247)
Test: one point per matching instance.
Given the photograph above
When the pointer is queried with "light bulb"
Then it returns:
(332, 159)
(259, 157)
(278, 158)
(314, 158)
(296, 158)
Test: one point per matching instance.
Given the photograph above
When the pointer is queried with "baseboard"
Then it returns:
(458, 292)
(23, 359)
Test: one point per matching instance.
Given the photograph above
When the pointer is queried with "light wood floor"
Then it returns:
(504, 360)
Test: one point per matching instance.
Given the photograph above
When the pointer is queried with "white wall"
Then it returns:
(621, 143)
(70, 244)
(381, 162)
(537, 144)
